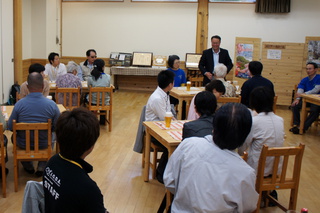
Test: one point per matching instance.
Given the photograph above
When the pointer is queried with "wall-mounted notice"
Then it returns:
(274, 54)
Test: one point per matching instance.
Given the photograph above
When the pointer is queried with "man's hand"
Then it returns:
(209, 75)
(295, 102)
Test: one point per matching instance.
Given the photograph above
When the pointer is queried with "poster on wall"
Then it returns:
(314, 52)
(244, 56)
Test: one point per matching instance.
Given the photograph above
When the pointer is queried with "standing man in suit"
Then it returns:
(212, 57)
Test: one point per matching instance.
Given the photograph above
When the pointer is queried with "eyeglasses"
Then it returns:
(93, 56)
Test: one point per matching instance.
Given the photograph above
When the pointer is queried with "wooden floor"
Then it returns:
(117, 168)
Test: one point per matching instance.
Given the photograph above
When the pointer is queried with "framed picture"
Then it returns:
(159, 60)
(142, 59)
(192, 60)
(93, 0)
(164, 0)
(120, 59)
(236, 1)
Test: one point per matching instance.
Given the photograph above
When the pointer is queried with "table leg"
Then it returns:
(180, 109)
(303, 115)
(147, 157)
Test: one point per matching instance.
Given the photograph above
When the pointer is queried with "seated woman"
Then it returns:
(220, 72)
(179, 77)
(267, 128)
(205, 105)
(69, 80)
(216, 87)
(99, 79)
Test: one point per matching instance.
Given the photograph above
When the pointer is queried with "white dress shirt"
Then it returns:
(53, 72)
(266, 129)
(205, 178)
(157, 106)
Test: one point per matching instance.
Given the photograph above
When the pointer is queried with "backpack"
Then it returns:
(13, 94)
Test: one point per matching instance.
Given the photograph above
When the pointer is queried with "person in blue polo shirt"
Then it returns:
(308, 85)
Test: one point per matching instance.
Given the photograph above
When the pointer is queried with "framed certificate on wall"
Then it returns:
(192, 60)
(142, 59)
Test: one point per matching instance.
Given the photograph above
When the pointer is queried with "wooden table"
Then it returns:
(182, 94)
(162, 135)
(136, 78)
(7, 110)
(313, 99)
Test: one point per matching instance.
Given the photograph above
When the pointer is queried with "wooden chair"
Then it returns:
(155, 159)
(282, 181)
(101, 93)
(66, 93)
(225, 100)
(3, 162)
(275, 103)
(32, 151)
(196, 81)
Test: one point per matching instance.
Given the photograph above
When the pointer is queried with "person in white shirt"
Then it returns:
(54, 68)
(267, 128)
(207, 175)
(159, 101)
(156, 108)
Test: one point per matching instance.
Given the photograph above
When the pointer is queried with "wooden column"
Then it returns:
(17, 44)
(202, 26)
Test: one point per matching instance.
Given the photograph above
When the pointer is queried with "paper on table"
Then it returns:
(177, 135)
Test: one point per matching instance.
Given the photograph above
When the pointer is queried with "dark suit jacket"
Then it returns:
(206, 63)
(198, 128)
(249, 85)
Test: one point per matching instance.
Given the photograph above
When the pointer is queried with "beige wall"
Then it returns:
(161, 28)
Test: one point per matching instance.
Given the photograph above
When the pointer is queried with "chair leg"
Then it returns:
(154, 163)
(259, 203)
(4, 181)
(293, 199)
(16, 169)
(143, 156)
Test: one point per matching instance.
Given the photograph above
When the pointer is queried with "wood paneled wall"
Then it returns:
(285, 72)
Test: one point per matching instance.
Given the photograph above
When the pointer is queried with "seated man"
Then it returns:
(67, 185)
(308, 85)
(207, 175)
(70, 80)
(34, 108)
(156, 108)
(255, 68)
(205, 105)
(220, 72)
(216, 87)
(87, 66)
(54, 68)
(24, 86)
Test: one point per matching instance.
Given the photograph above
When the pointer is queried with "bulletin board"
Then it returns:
(282, 64)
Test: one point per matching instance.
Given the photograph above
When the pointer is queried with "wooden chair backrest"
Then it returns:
(68, 94)
(225, 100)
(284, 180)
(32, 150)
(101, 96)
(196, 81)
(275, 103)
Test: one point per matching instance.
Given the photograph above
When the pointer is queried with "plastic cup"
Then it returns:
(49, 97)
(168, 118)
(188, 85)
